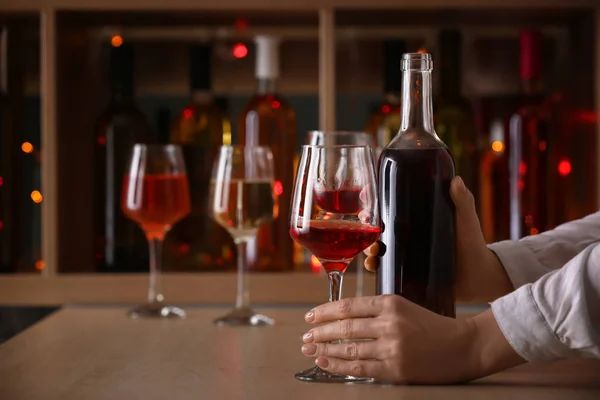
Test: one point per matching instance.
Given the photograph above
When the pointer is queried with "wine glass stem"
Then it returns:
(243, 298)
(335, 285)
(155, 285)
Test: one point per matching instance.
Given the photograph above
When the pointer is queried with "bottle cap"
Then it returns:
(267, 57)
(530, 54)
(200, 57)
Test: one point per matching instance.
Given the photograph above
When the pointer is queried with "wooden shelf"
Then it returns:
(96, 5)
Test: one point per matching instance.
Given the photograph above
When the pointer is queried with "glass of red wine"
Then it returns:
(243, 198)
(156, 196)
(335, 216)
(337, 138)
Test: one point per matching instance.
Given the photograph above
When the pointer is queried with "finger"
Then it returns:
(362, 368)
(348, 351)
(358, 328)
(372, 250)
(352, 307)
(371, 264)
(468, 229)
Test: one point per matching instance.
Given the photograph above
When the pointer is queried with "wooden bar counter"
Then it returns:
(89, 353)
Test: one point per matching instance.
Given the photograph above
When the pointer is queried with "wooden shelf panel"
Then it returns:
(98, 5)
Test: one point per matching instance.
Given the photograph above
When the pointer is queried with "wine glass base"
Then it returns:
(156, 311)
(244, 317)
(316, 374)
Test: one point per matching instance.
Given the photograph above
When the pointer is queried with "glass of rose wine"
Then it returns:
(335, 216)
(242, 199)
(337, 138)
(156, 195)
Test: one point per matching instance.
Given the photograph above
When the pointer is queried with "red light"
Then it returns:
(385, 109)
(275, 104)
(102, 140)
(183, 248)
(187, 113)
(1, 224)
(542, 145)
(278, 188)
(564, 167)
(522, 168)
(1, 181)
(585, 117)
(240, 50)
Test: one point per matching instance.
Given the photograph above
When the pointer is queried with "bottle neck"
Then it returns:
(417, 108)
(266, 86)
(122, 93)
(531, 86)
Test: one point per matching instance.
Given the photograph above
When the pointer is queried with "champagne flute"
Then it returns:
(156, 195)
(242, 199)
(336, 138)
(334, 215)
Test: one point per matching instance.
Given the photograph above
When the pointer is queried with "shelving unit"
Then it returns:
(329, 22)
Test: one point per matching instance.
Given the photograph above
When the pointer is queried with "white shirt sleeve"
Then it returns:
(530, 258)
(558, 316)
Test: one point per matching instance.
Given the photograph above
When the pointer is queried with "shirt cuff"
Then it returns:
(519, 262)
(525, 328)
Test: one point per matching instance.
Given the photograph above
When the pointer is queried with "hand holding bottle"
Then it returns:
(480, 275)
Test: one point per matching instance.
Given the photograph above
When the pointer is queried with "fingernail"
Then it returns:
(461, 185)
(310, 316)
(309, 349)
(322, 362)
(308, 337)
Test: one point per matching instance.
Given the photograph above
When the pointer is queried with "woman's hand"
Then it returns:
(479, 273)
(410, 344)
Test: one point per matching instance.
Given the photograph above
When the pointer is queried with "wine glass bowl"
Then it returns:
(335, 216)
(155, 195)
(242, 199)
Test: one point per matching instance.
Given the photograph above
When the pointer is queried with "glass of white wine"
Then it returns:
(242, 199)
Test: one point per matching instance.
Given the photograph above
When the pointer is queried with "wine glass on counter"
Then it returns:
(337, 138)
(335, 216)
(242, 199)
(156, 195)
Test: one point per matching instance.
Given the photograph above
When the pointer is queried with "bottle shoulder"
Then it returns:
(415, 140)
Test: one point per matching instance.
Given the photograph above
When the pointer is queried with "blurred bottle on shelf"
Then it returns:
(197, 242)
(494, 204)
(269, 120)
(453, 116)
(533, 151)
(384, 120)
(120, 245)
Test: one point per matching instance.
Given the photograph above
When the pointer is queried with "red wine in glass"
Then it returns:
(335, 242)
(157, 201)
(339, 201)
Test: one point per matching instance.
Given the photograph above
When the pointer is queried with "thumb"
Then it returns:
(468, 229)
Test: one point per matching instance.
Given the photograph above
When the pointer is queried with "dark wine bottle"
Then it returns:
(384, 120)
(197, 241)
(532, 148)
(415, 171)
(120, 245)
